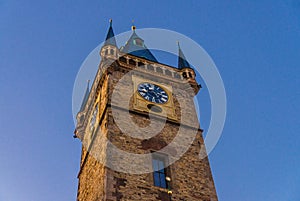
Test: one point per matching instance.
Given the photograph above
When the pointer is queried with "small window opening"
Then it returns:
(159, 171)
(132, 62)
(123, 59)
(168, 73)
(159, 70)
(150, 67)
(141, 64)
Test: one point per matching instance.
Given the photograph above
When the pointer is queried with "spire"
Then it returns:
(135, 46)
(110, 37)
(86, 96)
(182, 62)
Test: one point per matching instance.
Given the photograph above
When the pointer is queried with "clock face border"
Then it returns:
(160, 86)
(141, 104)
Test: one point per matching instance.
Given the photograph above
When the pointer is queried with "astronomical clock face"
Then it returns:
(153, 96)
(153, 93)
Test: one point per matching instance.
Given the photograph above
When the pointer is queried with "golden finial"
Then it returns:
(133, 27)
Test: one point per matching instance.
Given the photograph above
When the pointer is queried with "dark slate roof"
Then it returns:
(110, 37)
(182, 62)
(135, 46)
(86, 96)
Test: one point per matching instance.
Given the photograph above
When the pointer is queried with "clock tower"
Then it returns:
(139, 129)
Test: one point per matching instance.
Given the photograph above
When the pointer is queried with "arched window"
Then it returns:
(141, 65)
(123, 59)
(150, 67)
(132, 62)
(168, 73)
(159, 70)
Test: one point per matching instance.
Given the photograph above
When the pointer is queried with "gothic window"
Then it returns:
(169, 73)
(132, 62)
(123, 59)
(159, 70)
(150, 67)
(141, 64)
(159, 171)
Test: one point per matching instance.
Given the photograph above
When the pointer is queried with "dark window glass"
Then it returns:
(132, 62)
(141, 64)
(159, 171)
(156, 180)
(123, 59)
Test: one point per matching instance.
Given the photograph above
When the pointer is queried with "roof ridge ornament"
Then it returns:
(133, 27)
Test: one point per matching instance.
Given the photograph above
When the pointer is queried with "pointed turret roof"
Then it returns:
(135, 46)
(182, 62)
(85, 97)
(110, 37)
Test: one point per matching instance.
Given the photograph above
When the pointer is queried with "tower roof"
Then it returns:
(86, 96)
(110, 37)
(135, 46)
(182, 62)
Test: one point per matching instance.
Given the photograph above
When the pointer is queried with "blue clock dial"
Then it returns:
(153, 93)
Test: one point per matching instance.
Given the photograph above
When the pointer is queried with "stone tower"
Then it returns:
(139, 129)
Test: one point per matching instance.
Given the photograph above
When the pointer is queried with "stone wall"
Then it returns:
(191, 177)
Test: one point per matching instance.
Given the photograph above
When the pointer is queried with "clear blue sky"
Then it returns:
(255, 45)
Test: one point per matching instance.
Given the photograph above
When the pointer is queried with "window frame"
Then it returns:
(161, 181)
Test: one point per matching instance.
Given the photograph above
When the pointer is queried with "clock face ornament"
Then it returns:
(153, 93)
